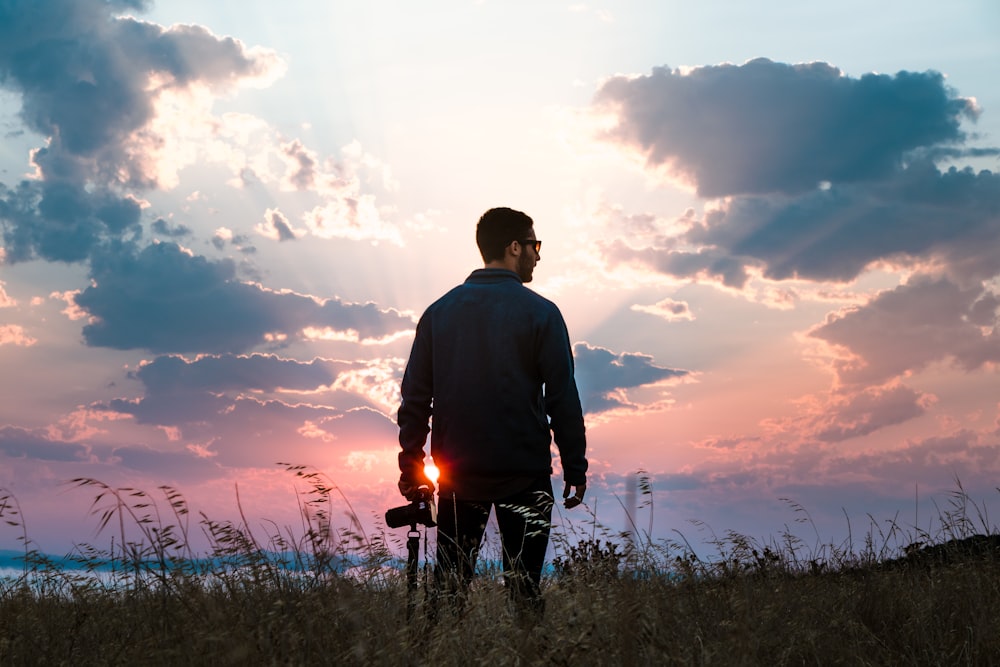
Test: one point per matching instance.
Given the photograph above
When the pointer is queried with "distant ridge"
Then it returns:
(974, 547)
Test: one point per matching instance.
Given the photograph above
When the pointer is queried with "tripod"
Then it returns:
(412, 567)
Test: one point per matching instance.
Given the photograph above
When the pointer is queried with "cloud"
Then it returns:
(89, 82)
(166, 466)
(5, 300)
(905, 329)
(829, 486)
(766, 127)
(125, 105)
(63, 220)
(824, 176)
(919, 216)
(345, 211)
(228, 372)
(351, 216)
(870, 410)
(277, 228)
(964, 454)
(206, 415)
(604, 377)
(172, 409)
(668, 309)
(377, 380)
(13, 334)
(704, 264)
(196, 387)
(164, 299)
(163, 228)
(302, 164)
(22, 443)
(226, 237)
(248, 432)
(852, 413)
(934, 461)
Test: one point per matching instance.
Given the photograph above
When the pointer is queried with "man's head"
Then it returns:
(502, 236)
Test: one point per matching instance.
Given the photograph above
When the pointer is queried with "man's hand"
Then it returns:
(409, 487)
(577, 498)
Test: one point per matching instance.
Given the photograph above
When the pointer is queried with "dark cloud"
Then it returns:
(603, 376)
(256, 372)
(172, 408)
(84, 79)
(183, 466)
(711, 264)
(163, 228)
(21, 443)
(206, 390)
(61, 221)
(18, 443)
(165, 300)
(905, 329)
(766, 127)
(920, 214)
(826, 174)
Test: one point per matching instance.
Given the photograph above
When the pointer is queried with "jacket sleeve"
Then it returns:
(562, 399)
(414, 415)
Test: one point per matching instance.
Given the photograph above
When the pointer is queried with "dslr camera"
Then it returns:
(421, 510)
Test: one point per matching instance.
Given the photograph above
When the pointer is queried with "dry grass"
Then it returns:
(287, 599)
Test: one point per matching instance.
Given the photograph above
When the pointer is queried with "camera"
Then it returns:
(421, 510)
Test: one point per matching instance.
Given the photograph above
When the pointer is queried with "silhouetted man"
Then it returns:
(492, 363)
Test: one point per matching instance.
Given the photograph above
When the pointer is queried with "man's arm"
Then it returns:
(414, 413)
(562, 403)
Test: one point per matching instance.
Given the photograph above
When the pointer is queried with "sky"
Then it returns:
(773, 229)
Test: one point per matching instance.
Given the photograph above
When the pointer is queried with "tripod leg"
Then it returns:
(412, 558)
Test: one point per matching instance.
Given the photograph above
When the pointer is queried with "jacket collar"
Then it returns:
(484, 276)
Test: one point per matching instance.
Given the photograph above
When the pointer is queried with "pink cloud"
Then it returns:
(903, 330)
(847, 414)
(5, 300)
(14, 334)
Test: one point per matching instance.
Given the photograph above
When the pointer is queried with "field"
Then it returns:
(336, 597)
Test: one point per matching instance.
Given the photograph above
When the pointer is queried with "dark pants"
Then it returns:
(524, 520)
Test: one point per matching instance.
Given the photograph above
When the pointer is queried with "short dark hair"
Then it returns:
(497, 228)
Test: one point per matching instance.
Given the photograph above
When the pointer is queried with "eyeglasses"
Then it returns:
(535, 243)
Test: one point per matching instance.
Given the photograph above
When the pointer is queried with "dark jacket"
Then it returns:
(492, 362)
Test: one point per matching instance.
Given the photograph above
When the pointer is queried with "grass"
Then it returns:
(321, 595)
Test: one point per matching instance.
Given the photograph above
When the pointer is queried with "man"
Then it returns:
(492, 363)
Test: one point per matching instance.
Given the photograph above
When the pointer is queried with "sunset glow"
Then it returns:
(773, 232)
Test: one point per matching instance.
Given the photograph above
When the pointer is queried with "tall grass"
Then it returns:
(318, 594)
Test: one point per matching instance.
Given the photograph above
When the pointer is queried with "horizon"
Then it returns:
(774, 233)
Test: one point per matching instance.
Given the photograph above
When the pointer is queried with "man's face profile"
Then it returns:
(526, 262)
